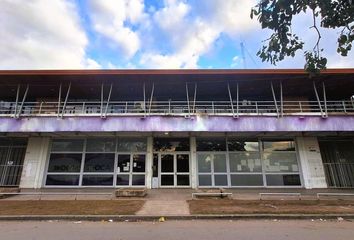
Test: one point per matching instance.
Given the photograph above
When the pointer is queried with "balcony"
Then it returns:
(105, 109)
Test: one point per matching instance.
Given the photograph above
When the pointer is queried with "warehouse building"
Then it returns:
(176, 129)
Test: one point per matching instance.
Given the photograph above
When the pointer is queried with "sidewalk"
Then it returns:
(166, 202)
(178, 194)
(178, 204)
(164, 208)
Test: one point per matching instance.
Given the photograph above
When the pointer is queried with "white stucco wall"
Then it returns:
(193, 166)
(149, 162)
(34, 163)
(311, 162)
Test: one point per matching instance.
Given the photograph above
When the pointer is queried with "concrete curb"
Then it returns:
(135, 218)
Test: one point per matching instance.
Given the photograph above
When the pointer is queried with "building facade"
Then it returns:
(177, 129)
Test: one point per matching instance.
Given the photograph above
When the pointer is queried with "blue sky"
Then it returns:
(84, 34)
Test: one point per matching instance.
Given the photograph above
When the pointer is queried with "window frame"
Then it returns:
(263, 171)
(82, 173)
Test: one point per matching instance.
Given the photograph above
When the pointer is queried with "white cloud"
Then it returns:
(38, 35)
(192, 29)
(172, 15)
(156, 60)
(91, 64)
(230, 16)
(235, 62)
(112, 19)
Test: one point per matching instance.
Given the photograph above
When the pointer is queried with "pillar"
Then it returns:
(149, 162)
(311, 163)
(35, 162)
(193, 171)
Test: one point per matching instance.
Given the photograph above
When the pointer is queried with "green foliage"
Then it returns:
(277, 15)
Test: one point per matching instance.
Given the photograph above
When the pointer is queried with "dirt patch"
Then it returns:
(227, 206)
(70, 207)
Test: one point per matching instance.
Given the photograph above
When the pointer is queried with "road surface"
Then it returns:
(169, 230)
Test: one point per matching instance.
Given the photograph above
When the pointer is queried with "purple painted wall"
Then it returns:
(176, 124)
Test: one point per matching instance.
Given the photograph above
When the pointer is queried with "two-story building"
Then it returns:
(177, 128)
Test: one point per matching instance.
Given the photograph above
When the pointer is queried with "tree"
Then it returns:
(277, 16)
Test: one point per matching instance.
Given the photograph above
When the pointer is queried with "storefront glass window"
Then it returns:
(97, 180)
(101, 145)
(171, 144)
(247, 163)
(280, 163)
(65, 162)
(131, 145)
(67, 145)
(211, 144)
(95, 162)
(242, 146)
(99, 162)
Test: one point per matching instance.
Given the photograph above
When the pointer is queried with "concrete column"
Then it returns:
(149, 162)
(35, 162)
(193, 170)
(311, 163)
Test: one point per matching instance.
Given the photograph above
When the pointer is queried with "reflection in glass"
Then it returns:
(65, 162)
(167, 163)
(283, 180)
(62, 180)
(204, 162)
(100, 145)
(237, 145)
(97, 180)
(167, 180)
(171, 144)
(219, 162)
(138, 180)
(246, 180)
(245, 162)
(139, 163)
(211, 144)
(67, 145)
(204, 180)
(182, 163)
(182, 180)
(278, 145)
(131, 145)
(99, 162)
(122, 179)
(220, 180)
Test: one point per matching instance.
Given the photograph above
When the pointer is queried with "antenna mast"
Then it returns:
(243, 55)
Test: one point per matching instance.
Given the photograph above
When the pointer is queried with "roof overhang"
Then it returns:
(256, 81)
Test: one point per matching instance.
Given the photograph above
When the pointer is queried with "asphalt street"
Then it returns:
(169, 230)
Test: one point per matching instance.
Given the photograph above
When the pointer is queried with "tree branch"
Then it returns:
(316, 48)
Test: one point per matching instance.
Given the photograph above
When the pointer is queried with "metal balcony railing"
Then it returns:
(176, 108)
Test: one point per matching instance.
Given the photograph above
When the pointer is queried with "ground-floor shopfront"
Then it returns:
(177, 162)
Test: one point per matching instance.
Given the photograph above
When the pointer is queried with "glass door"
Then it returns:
(131, 170)
(174, 170)
(182, 170)
(167, 170)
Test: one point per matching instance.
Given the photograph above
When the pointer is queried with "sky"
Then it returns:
(144, 34)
